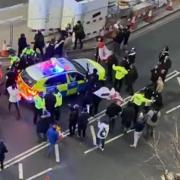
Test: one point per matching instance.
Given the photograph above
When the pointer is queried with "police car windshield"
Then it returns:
(27, 78)
(78, 67)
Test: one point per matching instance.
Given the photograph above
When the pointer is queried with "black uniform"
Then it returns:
(42, 128)
(82, 124)
(125, 63)
(3, 150)
(131, 77)
(50, 101)
(126, 35)
(117, 41)
(158, 100)
(112, 111)
(132, 56)
(128, 114)
(73, 118)
(39, 42)
(22, 43)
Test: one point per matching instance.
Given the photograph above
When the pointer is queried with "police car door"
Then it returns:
(59, 82)
(72, 83)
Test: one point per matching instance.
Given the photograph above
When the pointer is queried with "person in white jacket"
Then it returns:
(14, 98)
(102, 133)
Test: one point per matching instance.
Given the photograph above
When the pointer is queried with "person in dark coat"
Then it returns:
(58, 48)
(50, 49)
(118, 39)
(82, 123)
(127, 116)
(125, 63)
(42, 127)
(126, 36)
(3, 150)
(73, 118)
(50, 101)
(22, 43)
(79, 34)
(112, 112)
(132, 55)
(95, 99)
(88, 101)
(131, 77)
(112, 60)
(154, 74)
(11, 77)
(163, 54)
(165, 63)
(39, 42)
(92, 78)
(158, 100)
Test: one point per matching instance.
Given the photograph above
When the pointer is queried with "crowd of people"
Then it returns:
(141, 113)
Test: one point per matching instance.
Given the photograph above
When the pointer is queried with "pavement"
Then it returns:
(14, 21)
(79, 159)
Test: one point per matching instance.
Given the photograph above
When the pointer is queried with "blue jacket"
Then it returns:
(52, 135)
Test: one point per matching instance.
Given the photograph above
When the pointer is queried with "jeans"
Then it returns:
(82, 131)
(80, 42)
(16, 104)
(100, 142)
(51, 149)
(137, 136)
(37, 113)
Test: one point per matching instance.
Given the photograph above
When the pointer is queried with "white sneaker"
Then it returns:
(102, 149)
(133, 146)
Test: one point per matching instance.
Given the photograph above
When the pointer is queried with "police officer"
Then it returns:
(125, 62)
(120, 73)
(132, 55)
(83, 122)
(73, 118)
(13, 59)
(28, 51)
(50, 101)
(39, 106)
(163, 53)
(58, 104)
(165, 63)
(112, 112)
(131, 78)
(139, 100)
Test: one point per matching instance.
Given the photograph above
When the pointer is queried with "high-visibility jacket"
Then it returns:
(39, 102)
(139, 99)
(58, 99)
(120, 72)
(28, 51)
(13, 59)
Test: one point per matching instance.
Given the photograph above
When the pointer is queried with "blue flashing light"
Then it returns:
(50, 67)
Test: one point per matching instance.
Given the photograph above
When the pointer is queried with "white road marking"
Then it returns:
(108, 141)
(57, 153)
(39, 174)
(12, 7)
(24, 153)
(93, 134)
(173, 109)
(169, 78)
(178, 106)
(178, 79)
(43, 145)
(20, 169)
(26, 156)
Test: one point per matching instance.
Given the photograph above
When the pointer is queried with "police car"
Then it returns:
(68, 76)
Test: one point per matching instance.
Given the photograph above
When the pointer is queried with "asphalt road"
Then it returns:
(118, 161)
(6, 3)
